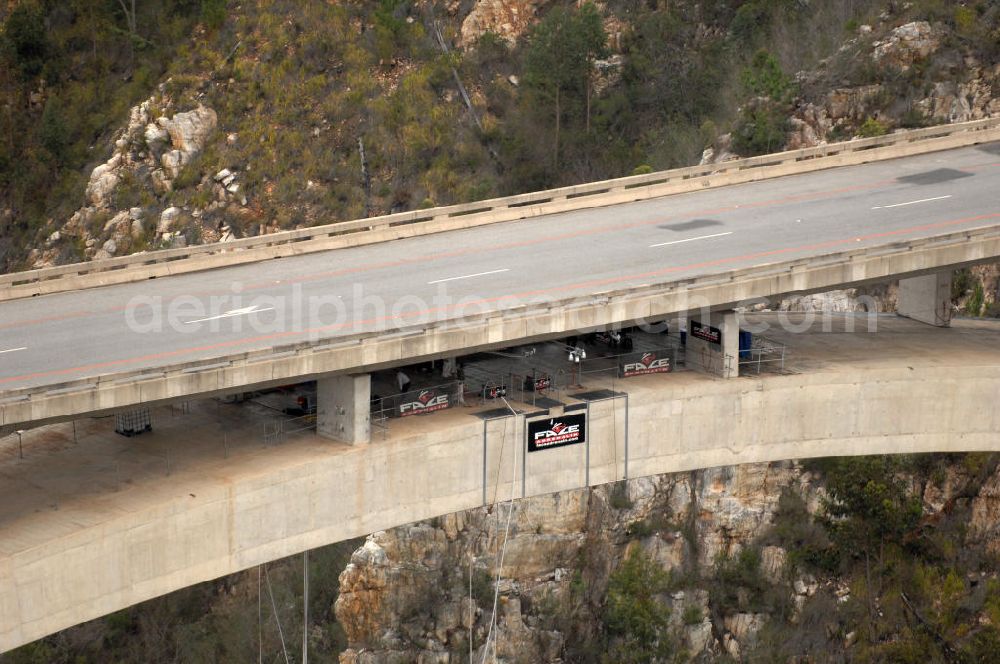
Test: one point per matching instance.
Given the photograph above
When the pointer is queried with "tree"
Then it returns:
(635, 618)
(765, 78)
(560, 60)
(868, 508)
(53, 132)
(26, 38)
(128, 8)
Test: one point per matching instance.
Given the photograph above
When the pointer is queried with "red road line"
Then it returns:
(575, 286)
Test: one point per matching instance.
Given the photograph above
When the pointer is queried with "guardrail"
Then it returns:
(138, 267)
(302, 348)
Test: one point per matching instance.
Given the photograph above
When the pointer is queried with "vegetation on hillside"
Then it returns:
(299, 88)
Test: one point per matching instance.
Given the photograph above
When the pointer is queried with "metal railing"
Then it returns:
(275, 431)
(762, 354)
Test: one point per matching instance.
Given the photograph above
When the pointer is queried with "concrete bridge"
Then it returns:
(90, 528)
(595, 256)
(600, 255)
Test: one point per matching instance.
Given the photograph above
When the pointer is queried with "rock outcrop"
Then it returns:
(406, 594)
(508, 19)
(148, 154)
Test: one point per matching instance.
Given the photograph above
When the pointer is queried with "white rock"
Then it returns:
(110, 246)
(189, 131)
(223, 174)
(173, 161)
(55, 237)
(103, 181)
(138, 228)
(115, 222)
(135, 213)
(155, 136)
(167, 219)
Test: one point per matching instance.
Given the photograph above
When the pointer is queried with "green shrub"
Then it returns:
(635, 618)
(761, 128)
(692, 615)
(872, 127)
(974, 307)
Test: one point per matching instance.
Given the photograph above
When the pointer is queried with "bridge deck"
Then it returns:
(61, 486)
(90, 510)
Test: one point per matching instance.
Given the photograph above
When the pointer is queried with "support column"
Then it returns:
(343, 408)
(713, 345)
(926, 299)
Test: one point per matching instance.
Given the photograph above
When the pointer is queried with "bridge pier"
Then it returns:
(926, 299)
(343, 408)
(713, 344)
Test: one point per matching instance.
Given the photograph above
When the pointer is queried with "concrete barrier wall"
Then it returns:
(462, 335)
(674, 424)
(140, 267)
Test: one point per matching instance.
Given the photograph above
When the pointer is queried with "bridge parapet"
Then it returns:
(139, 267)
(499, 328)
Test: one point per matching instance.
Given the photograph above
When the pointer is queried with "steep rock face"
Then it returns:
(405, 595)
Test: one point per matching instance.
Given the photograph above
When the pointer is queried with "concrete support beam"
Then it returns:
(343, 408)
(926, 298)
(713, 344)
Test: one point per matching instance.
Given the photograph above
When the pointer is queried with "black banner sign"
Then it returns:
(557, 432)
(707, 333)
(419, 402)
(641, 364)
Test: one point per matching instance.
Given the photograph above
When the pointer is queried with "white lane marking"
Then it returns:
(468, 276)
(245, 311)
(690, 239)
(14, 350)
(922, 200)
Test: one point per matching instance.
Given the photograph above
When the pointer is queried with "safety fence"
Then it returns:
(762, 354)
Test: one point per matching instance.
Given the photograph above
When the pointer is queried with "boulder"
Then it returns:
(189, 131)
(155, 136)
(907, 44)
(115, 223)
(507, 18)
(103, 181)
(173, 161)
(167, 219)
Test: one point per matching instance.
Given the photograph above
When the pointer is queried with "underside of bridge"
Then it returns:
(91, 521)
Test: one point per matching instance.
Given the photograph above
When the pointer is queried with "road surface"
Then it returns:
(66, 336)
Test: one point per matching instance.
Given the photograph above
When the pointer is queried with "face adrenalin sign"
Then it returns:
(557, 432)
(641, 364)
(707, 333)
(423, 401)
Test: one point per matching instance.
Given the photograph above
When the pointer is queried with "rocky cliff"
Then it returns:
(734, 561)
